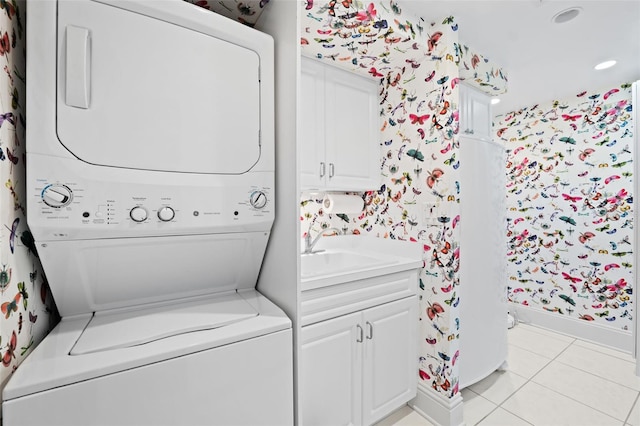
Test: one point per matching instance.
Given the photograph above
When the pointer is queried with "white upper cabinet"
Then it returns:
(475, 113)
(339, 147)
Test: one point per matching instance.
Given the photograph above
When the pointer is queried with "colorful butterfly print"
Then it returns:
(13, 230)
(434, 310)
(415, 154)
(611, 179)
(611, 266)
(5, 278)
(621, 195)
(430, 76)
(568, 220)
(568, 140)
(5, 44)
(9, 354)
(609, 93)
(584, 154)
(567, 299)
(571, 198)
(8, 116)
(432, 41)
(437, 125)
(445, 385)
(8, 308)
(12, 158)
(443, 80)
(23, 292)
(445, 108)
(584, 237)
(374, 72)
(581, 94)
(380, 25)
(567, 117)
(418, 119)
(368, 14)
(568, 277)
(433, 177)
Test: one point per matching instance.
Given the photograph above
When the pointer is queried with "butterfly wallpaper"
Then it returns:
(570, 199)
(416, 65)
(246, 12)
(26, 307)
(480, 72)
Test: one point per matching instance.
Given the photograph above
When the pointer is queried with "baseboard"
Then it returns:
(436, 408)
(583, 330)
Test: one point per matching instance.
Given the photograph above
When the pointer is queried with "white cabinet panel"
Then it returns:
(390, 369)
(362, 365)
(330, 374)
(475, 113)
(312, 165)
(339, 135)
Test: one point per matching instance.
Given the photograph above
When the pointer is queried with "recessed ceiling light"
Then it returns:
(495, 101)
(566, 15)
(604, 65)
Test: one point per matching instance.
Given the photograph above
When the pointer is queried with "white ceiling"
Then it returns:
(546, 61)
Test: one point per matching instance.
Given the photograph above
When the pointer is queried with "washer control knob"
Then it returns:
(258, 199)
(166, 214)
(138, 214)
(57, 196)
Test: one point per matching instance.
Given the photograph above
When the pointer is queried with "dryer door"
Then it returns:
(144, 93)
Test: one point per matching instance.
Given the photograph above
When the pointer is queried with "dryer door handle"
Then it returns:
(78, 78)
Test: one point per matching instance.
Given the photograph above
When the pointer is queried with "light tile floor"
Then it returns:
(552, 380)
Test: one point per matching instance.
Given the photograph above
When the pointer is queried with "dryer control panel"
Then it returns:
(72, 206)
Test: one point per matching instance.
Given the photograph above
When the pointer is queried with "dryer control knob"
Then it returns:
(166, 214)
(138, 214)
(57, 196)
(258, 199)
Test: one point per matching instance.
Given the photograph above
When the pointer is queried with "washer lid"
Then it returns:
(144, 92)
(132, 327)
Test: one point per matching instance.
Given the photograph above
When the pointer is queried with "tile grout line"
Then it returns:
(626, 420)
(571, 398)
(530, 378)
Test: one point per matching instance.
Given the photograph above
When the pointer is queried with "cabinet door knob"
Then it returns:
(360, 334)
(331, 170)
(369, 330)
(322, 169)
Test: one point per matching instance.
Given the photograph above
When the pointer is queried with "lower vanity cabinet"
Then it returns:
(358, 368)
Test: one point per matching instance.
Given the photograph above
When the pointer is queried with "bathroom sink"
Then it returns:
(334, 262)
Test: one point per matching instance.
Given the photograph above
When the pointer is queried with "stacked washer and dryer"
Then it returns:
(150, 169)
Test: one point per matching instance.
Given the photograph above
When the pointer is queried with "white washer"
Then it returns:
(150, 169)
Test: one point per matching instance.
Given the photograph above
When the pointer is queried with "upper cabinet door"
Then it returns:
(352, 135)
(339, 136)
(311, 160)
(145, 93)
(475, 116)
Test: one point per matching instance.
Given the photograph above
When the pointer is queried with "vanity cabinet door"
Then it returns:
(390, 358)
(330, 378)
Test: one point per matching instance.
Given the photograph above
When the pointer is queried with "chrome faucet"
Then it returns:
(309, 244)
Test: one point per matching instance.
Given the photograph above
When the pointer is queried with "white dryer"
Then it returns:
(150, 169)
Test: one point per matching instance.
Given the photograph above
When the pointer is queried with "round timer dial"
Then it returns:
(57, 196)
(258, 199)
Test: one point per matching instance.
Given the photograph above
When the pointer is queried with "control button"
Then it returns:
(258, 199)
(57, 196)
(166, 214)
(138, 214)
